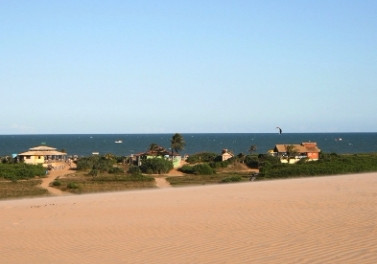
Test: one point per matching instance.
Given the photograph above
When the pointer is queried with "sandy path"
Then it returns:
(312, 220)
(61, 170)
(161, 182)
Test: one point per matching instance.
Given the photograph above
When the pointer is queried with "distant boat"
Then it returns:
(118, 141)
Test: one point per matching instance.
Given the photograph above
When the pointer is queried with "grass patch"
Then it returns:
(82, 183)
(27, 188)
(207, 179)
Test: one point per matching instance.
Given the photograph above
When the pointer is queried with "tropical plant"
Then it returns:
(291, 152)
(177, 143)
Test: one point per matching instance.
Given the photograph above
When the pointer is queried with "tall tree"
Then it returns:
(177, 143)
(291, 152)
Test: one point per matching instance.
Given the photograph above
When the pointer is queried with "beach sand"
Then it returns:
(308, 220)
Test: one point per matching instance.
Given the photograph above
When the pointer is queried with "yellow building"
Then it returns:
(42, 155)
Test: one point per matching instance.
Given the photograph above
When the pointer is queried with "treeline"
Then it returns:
(20, 171)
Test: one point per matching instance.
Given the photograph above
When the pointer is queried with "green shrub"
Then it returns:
(199, 169)
(56, 183)
(252, 161)
(21, 171)
(100, 163)
(187, 169)
(220, 164)
(203, 169)
(202, 157)
(156, 165)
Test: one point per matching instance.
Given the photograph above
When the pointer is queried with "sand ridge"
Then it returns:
(309, 220)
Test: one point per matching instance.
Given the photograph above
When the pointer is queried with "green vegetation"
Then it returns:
(96, 163)
(156, 166)
(81, 182)
(222, 177)
(329, 164)
(21, 171)
(177, 142)
(235, 178)
(24, 188)
(134, 170)
(251, 161)
(103, 173)
(198, 169)
(202, 157)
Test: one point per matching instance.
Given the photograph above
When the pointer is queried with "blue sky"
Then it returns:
(187, 66)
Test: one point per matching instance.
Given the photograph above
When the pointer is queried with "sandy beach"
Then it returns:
(309, 220)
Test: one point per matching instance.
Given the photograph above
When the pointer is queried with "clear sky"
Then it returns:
(119, 66)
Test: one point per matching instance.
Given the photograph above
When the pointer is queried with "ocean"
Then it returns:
(86, 144)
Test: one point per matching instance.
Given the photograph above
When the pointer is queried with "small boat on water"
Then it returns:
(119, 141)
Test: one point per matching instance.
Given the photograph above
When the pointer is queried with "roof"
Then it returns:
(304, 147)
(42, 148)
(42, 151)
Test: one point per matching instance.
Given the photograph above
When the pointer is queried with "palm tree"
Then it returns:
(177, 143)
(291, 152)
(154, 147)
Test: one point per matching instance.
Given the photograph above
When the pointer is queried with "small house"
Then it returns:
(157, 152)
(42, 155)
(292, 153)
(226, 154)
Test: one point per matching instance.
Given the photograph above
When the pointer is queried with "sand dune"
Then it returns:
(312, 220)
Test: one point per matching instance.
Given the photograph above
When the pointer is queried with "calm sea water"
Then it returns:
(84, 145)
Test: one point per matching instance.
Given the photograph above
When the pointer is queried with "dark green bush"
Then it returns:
(203, 169)
(156, 165)
(252, 161)
(199, 169)
(187, 169)
(202, 157)
(21, 171)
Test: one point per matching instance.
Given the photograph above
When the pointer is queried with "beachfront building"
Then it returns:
(42, 155)
(226, 154)
(157, 152)
(292, 153)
